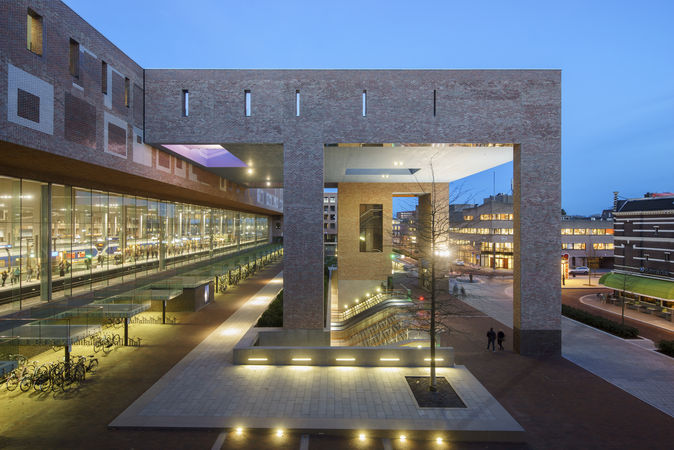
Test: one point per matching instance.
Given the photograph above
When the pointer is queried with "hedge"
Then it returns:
(273, 316)
(623, 331)
(666, 347)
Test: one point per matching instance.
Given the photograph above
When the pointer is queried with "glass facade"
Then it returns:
(57, 241)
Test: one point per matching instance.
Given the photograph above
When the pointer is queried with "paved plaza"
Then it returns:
(205, 390)
(639, 371)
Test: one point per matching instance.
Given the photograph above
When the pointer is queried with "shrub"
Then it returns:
(666, 347)
(273, 316)
(623, 331)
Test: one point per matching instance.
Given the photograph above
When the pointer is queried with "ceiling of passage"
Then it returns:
(250, 165)
(410, 163)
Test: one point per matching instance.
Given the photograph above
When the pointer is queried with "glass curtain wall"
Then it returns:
(58, 241)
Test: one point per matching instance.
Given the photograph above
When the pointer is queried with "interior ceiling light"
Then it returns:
(250, 170)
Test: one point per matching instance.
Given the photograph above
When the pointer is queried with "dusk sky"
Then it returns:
(617, 62)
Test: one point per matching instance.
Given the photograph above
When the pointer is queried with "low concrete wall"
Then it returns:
(247, 353)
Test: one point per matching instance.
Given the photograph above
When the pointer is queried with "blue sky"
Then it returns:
(616, 59)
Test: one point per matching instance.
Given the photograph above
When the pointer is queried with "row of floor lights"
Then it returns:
(306, 359)
(361, 437)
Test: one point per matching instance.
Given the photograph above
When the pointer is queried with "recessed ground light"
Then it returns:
(361, 437)
(279, 432)
(345, 359)
(239, 430)
(403, 437)
(438, 440)
(437, 359)
(389, 359)
(257, 359)
(301, 359)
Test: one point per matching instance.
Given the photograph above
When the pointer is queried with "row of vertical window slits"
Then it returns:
(247, 103)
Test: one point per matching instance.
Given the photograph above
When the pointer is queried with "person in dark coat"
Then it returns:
(500, 338)
(491, 338)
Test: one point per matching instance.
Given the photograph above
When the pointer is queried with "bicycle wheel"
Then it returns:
(98, 345)
(107, 346)
(93, 365)
(116, 339)
(80, 373)
(12, 381)
(26, 383)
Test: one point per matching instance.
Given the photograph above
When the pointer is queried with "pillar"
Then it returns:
(537, 244)
(303, 236)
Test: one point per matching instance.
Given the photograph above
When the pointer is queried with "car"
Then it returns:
(580, 270)
(459, 263)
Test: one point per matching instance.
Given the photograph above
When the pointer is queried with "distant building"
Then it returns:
(483, 235)
(330, 223)
(405, 232)
(644, 235)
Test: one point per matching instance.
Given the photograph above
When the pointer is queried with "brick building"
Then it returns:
(644, 236)
(222, 154)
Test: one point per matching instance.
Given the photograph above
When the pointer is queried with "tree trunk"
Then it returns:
(434, 383)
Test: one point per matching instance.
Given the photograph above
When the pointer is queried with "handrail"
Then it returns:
(370, 302)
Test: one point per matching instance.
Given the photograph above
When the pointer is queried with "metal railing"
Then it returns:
(370, 302)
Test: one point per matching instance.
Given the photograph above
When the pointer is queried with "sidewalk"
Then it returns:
(643, 373)
(205, 390)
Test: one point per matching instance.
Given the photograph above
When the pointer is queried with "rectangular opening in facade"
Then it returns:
(34, 33)
(247, 102)
(186, 103)
(297, 103)
(364, 103)
(74, 58)
(104, 77)
(434, 102)
(127, 95)
(371, 227)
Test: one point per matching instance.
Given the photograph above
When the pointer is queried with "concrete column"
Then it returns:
(303, 236)
(537, 244)
(45, 244)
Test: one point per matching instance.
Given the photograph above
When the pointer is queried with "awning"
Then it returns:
(648, 287)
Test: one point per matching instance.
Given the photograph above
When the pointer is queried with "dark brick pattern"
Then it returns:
(28, 106)
(118, 105)
(163, 159)
(116, 140)
(80, 121)
(137, 98)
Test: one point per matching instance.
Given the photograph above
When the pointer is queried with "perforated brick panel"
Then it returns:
(163, 160)
(137, 106)
(116, 140)
(28, 106)
(80, 121)
(118, 93)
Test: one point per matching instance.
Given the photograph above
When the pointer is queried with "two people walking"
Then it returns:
(492, 337)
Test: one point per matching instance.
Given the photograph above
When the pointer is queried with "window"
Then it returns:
(567, 231)
(332, 207)
(666, 257)
(127, 95)
(434, 101)
(104, 77)
(579, 231)
(186, 103)
(74, 58)
(467, 217)
(34, 33)
(579, 246)
(247, 104)
(297, 103)
(364, 103)
(332, 199)
(332, 226)
(371, 228)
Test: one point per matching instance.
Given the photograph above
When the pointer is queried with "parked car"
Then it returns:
(580, 270)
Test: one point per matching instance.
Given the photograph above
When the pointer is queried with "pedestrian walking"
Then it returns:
(463, 291)
(16, 276)
(4, 277)
(62, 269)
(500, 338)
(29, 273)
(491, 338)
